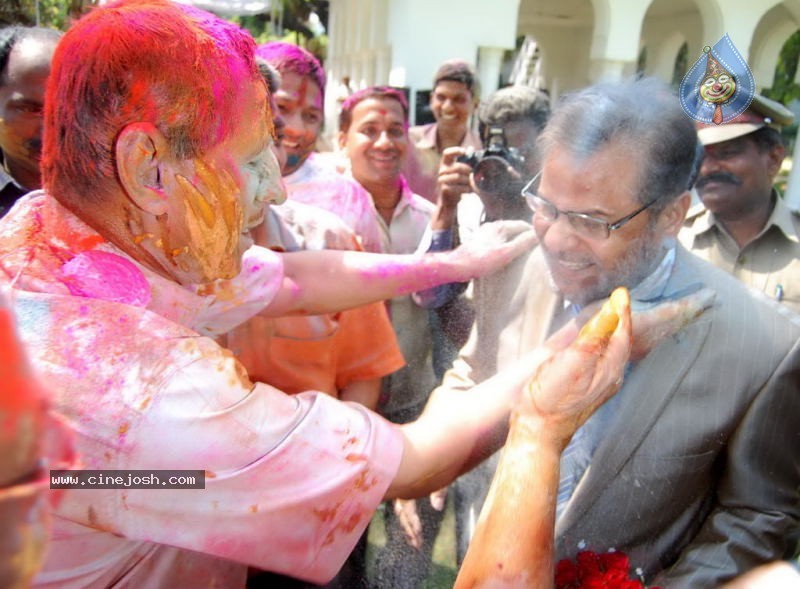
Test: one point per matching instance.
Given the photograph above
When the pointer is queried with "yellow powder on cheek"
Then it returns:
(213, 221)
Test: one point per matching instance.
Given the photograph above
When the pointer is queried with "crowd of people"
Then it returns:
(196, 285)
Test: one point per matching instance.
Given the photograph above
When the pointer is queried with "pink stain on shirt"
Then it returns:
(102, 275)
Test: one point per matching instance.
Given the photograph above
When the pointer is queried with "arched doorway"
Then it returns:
(562, 31)
(671, 33)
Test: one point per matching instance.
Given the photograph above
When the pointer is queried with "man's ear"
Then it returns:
(775, 159)
(672, 217)
(140, 150)
(342, 139)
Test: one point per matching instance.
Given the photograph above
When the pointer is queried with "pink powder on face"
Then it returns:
(102, 275)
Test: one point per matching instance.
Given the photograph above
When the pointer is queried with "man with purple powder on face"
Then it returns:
(309, 177)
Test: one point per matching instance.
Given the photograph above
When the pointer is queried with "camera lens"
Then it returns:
(493, 174)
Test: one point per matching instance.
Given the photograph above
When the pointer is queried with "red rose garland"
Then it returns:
(590, 570)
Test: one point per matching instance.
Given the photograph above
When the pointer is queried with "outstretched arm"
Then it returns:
(329, 281)
(459, 429)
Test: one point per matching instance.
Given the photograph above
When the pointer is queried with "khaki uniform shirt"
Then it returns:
(770, 263)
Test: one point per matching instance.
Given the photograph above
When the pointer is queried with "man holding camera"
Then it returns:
(509, 123)
(475, 187)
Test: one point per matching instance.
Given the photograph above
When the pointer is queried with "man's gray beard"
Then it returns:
(639, 261)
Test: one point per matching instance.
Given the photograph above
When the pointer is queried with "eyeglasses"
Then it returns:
(585, 225)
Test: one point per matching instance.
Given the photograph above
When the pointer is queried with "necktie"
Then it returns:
(574, 461)
(578, 454)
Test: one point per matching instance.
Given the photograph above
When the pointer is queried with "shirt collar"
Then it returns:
(406, 194)
(703, 220)
(406, 197)
(654, 284)
(427, 139)
(44, 242)
(270, 234)
(782, 218)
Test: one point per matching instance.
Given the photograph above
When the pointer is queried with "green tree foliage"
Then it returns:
(289, 21)
(785, 89)
(57, 14)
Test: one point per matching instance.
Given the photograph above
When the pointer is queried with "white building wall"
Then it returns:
(402, 42)
(772, 31)
(424, 33)
(664, 38)
(565, 65)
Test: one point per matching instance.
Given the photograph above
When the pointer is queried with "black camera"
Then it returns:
(498, 169)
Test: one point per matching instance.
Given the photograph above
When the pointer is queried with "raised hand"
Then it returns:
(513, 542)
(492, 247)
(454, 176)
(569, 386)
(659, 319)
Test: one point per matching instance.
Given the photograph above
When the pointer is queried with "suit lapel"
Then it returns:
(647, 389)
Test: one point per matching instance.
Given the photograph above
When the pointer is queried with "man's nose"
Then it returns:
(278, 195)
(292, 124)
(558, 234)
(710, 163)
(383, 140)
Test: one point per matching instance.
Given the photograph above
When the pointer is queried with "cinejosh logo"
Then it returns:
(127, 479)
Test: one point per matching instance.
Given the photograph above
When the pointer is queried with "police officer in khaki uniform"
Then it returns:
(743, 224)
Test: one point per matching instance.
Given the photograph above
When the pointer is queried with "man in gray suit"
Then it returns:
(692, 468)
